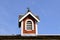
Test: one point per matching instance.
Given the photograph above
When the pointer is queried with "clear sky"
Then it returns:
(47, 10)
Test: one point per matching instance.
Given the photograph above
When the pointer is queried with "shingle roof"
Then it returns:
(18, 37)
(20, 16)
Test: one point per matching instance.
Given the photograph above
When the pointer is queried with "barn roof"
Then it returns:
(21, 17)
(19, 37)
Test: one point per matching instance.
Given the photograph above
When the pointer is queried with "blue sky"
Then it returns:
(47, 10)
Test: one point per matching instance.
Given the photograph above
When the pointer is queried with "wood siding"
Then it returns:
(32, 31)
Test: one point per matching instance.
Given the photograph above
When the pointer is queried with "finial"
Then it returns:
(28, 10)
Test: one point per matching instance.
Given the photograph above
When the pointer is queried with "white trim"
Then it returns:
(26, 24)
(21, 28)
(36, 28)
(41, 35)
(48, 34)
(27, 15)
(29, 35)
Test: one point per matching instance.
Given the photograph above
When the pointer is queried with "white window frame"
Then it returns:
(26, 24)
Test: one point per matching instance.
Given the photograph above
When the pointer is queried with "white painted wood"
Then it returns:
(29, 35)
(36, 28)
(22, 28)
